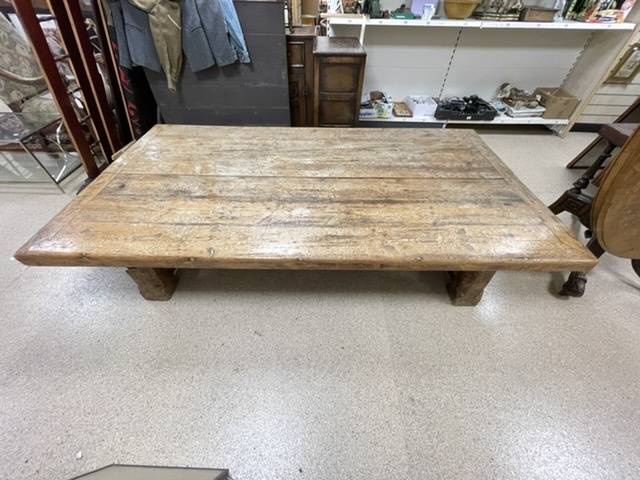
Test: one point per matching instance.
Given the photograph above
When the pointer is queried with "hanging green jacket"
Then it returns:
(166, 28)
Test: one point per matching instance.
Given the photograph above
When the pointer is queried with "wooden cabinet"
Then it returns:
(338, 76)
(300, 69)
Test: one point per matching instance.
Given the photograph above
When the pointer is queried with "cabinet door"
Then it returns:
(337, 110)
(300, 61)
(339, 76)
(297, 100)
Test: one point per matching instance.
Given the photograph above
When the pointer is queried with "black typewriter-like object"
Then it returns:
(465, 108)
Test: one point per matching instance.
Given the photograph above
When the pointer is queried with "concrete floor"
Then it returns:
(314, 375)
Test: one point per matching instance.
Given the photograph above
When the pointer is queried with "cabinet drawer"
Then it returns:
(337, 110)
(339, 77)
(296, 54)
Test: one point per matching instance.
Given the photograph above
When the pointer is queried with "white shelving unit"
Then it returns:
(499, 120)
(471, 23)
(445, 57)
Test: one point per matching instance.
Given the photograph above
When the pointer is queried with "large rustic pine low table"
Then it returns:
(326, 199)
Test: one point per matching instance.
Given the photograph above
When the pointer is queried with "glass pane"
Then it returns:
(17, 126)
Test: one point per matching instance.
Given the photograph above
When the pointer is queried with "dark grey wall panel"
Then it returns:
(256, 73)
(201, 96)
(261, 17)
(271, 117)
(269, 51)
(240, 94)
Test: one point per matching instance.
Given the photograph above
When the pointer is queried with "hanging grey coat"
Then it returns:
(166, 25)
(205, 35)
(135, 42)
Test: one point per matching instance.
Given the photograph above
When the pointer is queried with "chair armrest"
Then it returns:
(18, 79)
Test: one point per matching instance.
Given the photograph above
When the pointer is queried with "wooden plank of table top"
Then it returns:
(305, 201)
(307, 213)
(281, 152)
(206, 246)
(367, 163)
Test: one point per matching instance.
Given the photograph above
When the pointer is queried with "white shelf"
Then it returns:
(499, 120)
(403, 119)
(506, 120)
(470, 23)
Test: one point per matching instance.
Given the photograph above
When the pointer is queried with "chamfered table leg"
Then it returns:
(154, 283)
(466, 288)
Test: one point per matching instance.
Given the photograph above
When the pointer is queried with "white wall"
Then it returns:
(455, 62)
(611, 99)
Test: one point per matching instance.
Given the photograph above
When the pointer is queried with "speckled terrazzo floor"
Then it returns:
(314, 375)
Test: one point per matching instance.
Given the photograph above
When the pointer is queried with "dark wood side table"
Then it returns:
(300, 69)
(574, 201)
(580, 204)
(339, 74)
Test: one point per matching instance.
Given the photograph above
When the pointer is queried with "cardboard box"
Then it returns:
(558, 103)
(379, 110)
(376, 104)
(367, 112)
(421, 105)
(384, 110)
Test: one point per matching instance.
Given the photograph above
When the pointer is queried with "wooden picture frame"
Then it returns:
(628, 67)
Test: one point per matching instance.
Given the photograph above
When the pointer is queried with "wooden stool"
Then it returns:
(580, 204)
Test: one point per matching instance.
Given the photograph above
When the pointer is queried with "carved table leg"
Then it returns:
(575, 285)
(466, 288)
(577, 281)
(154, 283)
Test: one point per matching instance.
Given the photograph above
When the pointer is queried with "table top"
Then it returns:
(260, 197)
(337, 46)
(15, 127)
(615, 212)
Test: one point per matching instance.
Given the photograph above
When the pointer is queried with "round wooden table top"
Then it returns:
(615, 215)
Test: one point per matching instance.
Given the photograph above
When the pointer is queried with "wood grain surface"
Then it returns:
(280, 198)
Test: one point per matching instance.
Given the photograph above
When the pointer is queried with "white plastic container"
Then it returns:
(421, 105)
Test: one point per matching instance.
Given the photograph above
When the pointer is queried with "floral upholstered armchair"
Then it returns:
(22, 86)
(24, 90)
